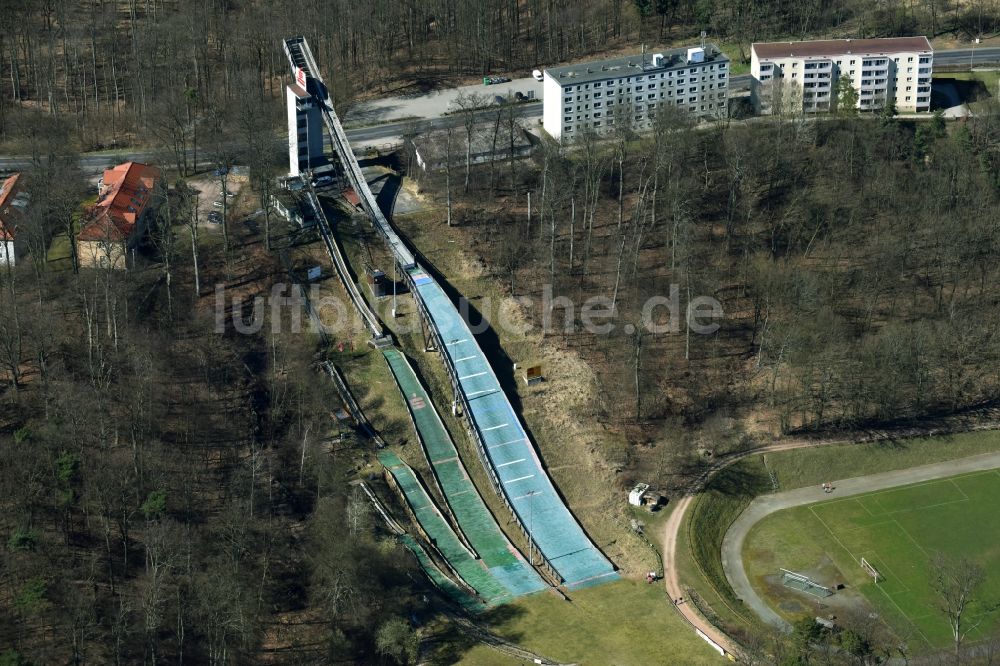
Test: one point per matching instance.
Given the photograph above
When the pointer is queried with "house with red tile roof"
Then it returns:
(113, 227)
(14, 200)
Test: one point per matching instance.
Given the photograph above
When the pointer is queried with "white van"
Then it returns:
(537, 74)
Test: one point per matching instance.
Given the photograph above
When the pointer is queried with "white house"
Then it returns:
(14, 202)
(803, 75)
(431, 149)
(592, 95)
(292, 206)
(635, 495)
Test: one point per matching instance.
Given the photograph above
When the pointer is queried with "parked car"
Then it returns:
(217, 204)
(323, 181)
(537, 74)
(230, 195)
(215, 218)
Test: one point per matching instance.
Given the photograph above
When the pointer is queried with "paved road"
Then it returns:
(957, 57)
(949, 57)
(363, 135)
(392, 131)
(93, 163)
(88, 163)
(763, 506)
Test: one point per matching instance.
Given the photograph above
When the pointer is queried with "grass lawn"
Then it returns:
(59, 250)
(973, 88)
(899, 530)
(989, 78)
(700, 541)
(732, 490)
(373, 387)
(732, 51)
(623, 623)
(807, 467)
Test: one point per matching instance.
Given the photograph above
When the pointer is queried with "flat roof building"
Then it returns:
(803, 76)
(431, 151)
(292, 205)
(595, 95)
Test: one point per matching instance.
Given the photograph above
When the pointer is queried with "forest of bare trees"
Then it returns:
(853, 294)
(171, 494)
(158, 502)
(125, 72)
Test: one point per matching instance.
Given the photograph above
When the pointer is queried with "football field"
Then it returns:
(898, 530)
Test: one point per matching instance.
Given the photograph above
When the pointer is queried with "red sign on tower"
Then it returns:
(300, 77)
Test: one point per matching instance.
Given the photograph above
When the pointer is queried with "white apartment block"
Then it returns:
(593, 94)
(305, 130)
(803, 75)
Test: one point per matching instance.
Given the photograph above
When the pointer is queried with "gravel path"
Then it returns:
(671, 579)
(732, 544)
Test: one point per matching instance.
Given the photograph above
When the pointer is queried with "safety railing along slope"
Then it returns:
(563, 545)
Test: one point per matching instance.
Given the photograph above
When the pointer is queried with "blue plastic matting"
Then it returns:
(527, 486)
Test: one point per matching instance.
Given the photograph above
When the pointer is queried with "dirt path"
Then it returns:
(761, 507)
(673, 525)
(673, 582)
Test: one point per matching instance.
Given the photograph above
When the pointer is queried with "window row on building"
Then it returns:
(881, 71)
(594, 95)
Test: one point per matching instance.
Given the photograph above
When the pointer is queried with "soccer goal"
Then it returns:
(804, 583)
(871, 570)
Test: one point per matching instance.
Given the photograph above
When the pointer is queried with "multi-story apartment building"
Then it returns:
(804, 75)
(594, 94)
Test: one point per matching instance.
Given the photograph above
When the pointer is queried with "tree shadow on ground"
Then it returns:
(739, 481)
(948, 92)
(386, 197)
(454, 642)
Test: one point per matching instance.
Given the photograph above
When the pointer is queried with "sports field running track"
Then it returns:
(765, 505)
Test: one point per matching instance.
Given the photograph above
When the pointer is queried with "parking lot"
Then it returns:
(209, 189)
(433, 104)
